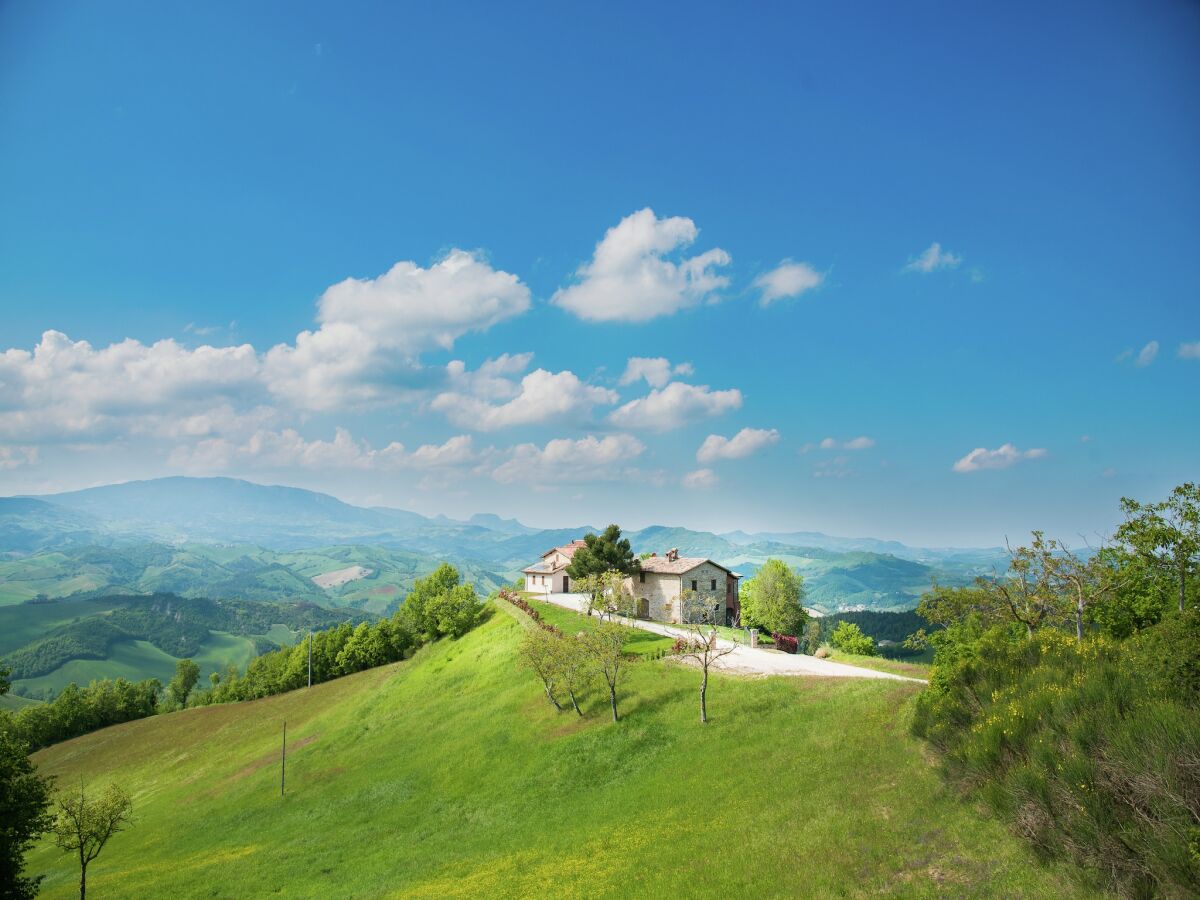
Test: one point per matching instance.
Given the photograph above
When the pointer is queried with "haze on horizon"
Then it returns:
(610, 265)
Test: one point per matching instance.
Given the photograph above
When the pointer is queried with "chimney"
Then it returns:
(673, 554)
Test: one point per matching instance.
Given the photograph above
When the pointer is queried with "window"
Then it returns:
(642, 577)
(714, 584)
(693, 584)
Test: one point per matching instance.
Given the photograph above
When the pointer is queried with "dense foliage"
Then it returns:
(78, 710)
(24, 811)
(773, 599)
(1066, 693)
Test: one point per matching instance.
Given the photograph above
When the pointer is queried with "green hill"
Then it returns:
(449, 775)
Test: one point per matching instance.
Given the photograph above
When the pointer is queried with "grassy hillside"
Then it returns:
(449, 774)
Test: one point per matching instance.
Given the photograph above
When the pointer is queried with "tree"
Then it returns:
(454, 612)
(1141, 595)
(602, 553)
(607, 594)
(24, 810)
(1084, 581)
(1166, 534)
(605, 646)
(774, 599)
(701, 644)
(849, 638)
(84, 824)
(812, 636)
(187, 673)
(573, 667)
(425, 590)
(538, 652)
(1031, 589)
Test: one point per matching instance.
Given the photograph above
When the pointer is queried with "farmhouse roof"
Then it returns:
(567, 550)
(677, 565)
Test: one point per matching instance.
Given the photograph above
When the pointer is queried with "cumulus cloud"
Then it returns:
(562, 460)
(742, 444)
(788, 279)
(542, 396)
(700, 479)
(66, 389)
(656, 371)
(932, 259)
(371, 330)
(365, 351)
(629, 278)
(675, 405)
(1189, 350)
(1002, 457)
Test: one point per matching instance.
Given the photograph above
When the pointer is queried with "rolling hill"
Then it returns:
(449, 775)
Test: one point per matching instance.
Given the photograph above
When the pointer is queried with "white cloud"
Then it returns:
(562, 459)
(742, 444)
(287, 449)
(675, 405)
(838, 467)
(371, 330)
(1189, 350)
(788, 279)
(1001, 458)
(630, 280)
(363, 352)
(1147, 354)
(862, 442)
(932, 259)
(657, 370)
(701, 479)
(542, 397)
(13, 457)
(66, 388)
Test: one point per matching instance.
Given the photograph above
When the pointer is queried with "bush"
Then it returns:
(1091, 750)
(786, 642)
(822, 653)
(849, 638)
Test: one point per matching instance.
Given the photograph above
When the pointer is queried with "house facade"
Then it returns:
(549, 575)
(663, 583)
(659, 588)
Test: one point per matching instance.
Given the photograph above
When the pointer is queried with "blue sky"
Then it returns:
(958, 248)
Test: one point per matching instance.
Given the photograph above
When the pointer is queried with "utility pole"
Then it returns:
(283, 761)
(310, 659)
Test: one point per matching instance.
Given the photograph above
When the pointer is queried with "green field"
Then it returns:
(450, 775)
(136, 660)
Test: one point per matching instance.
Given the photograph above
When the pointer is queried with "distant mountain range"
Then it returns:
(163, 534)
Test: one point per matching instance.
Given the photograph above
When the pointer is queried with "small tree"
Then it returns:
(606, 649)
(84, 824)
(774, 599)
(701, 644)
(187, 673)
(1167, 534)
(812, 636)
(540, 654)
(574, 668)
(1030, 589)
(601, 553)
(849, 638)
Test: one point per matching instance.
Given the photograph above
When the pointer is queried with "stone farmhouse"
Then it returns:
(658, 587)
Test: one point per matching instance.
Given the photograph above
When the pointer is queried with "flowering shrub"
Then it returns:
(522, 604)
(786, 642)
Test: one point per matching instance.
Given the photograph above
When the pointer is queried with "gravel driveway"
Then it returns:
(745, 659)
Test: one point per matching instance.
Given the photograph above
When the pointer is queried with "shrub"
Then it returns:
(1091, 750)
(786, 642)
(848, 637)
(822, 653)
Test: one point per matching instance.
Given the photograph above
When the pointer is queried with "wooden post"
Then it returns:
(283, 761)
(310, 659)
